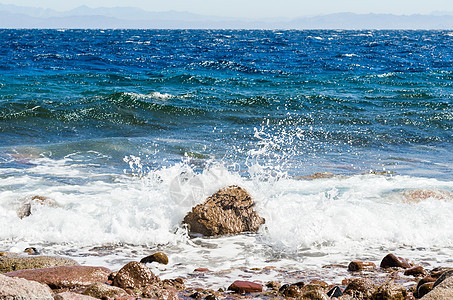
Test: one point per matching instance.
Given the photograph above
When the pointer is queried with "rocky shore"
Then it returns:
(229, 211)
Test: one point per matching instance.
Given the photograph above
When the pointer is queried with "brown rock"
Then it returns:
(229, 211)
(290, 291)
(424, 289)
(320, 283)
(361, 265)
(31, 251)
(443, 291)
(177, 284)
(156, 291)
(437, 272)
(415, 271)
(392, 261)
(65, 277)
(390, 291)
(15, 263)
(360, 288)
(442, 277)
(245, 287)
(18, 288)
(72, 296)
(426, 279)
(104, 291)
(158, 257)
(134, 275)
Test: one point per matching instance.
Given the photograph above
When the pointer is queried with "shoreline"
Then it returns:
(395, 270)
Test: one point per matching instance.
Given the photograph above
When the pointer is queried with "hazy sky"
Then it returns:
(257, 8)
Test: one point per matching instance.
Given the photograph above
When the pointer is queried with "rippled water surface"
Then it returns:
(125, 130)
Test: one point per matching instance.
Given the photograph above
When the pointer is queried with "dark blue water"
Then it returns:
(298, 102)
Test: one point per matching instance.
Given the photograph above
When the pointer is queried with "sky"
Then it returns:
(257, 8)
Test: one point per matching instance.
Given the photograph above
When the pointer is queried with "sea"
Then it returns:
(110, 137)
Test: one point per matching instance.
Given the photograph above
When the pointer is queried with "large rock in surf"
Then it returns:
(18, 288)
(15, 263)
(65, 277)
(229, 211)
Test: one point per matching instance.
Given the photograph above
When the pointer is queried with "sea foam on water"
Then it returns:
(309, 222)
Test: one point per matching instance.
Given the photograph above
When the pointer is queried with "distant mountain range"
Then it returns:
(83, 17)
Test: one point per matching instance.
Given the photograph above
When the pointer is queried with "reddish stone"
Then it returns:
(134, 275)
(245, 287)
(361, 265)
(415, 271)
(201, 270)
(392, 261)
(65, 277)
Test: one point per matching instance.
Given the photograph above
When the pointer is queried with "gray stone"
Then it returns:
(22, 289)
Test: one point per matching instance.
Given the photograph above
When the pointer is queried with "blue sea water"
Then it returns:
(147, 123)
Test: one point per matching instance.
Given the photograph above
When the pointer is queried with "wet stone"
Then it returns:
(390, 290)
(442, 277)
(415, 271)
(424, 289)
(229, 211)
(361, 265)
(392, 261)
(134, 275)
(158, 257)
(245, 287)
(360, 288)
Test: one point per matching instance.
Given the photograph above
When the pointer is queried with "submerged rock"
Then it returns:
(15, 263)
(65, 277)
(229, 211)
(18, 288)
(415, 196)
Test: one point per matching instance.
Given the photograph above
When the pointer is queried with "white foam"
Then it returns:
(309, 223)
